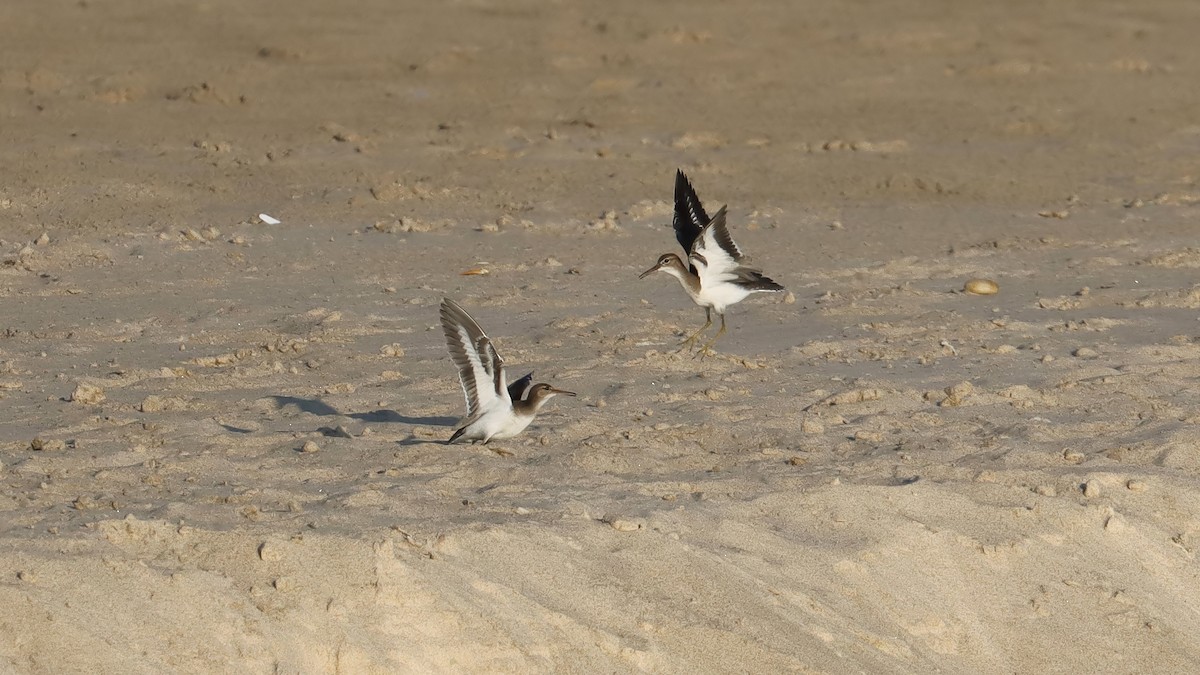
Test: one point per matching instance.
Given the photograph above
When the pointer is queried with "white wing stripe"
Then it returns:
(714, 263)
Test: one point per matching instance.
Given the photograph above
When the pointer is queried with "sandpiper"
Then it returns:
(495, 409)
(713, 277)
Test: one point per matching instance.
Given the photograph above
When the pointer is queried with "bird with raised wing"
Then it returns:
(495, 408)
(713, 277)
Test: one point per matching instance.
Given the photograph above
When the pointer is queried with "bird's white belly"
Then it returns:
(719, 296)
(501, 422)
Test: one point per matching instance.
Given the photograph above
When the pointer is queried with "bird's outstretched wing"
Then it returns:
(716, 259)
(690, 217)
(495, 368)
(714, 255)
(480, 368)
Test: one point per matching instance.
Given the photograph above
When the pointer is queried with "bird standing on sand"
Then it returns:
(495, 409)
(714, 278)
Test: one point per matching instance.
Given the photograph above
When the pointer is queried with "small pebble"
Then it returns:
(957, 393)
(87, 394)
(309, 446)
(270, 551)
(52, 445)
(622, 525)
(812, 426)
(1091, 489)
(1136, 485)
(981, 287)
(1085, 353)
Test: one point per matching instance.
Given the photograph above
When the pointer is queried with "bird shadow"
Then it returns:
(317, 407)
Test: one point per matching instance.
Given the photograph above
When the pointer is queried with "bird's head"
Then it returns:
(665, 262)
(542, 392)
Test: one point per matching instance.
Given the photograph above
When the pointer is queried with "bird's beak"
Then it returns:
(562, 391)
(650, 271)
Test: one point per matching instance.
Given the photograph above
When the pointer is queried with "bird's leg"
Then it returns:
(695, 336)
(707, 349)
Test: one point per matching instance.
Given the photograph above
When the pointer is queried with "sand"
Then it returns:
(222, 440)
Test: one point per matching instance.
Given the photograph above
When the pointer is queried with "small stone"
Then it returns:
(789, 299)
(812, 426)
(981, 287)
(42, 239)
(309, 446)
(957, 393)
(1091, 489)
(270, 551)
(1085, 353)
(87, 394)
(1136, 485)
(1073, 456)
(156, 403)
(393, 350)
(622, 524)
(39, 444)
(1061, 214)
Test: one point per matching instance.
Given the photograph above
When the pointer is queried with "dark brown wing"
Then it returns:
(690, 217)
(480, 369)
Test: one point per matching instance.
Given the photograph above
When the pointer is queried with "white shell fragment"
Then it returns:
(269, 220)
(981, 287)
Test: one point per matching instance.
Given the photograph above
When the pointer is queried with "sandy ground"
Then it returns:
(883, 475)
